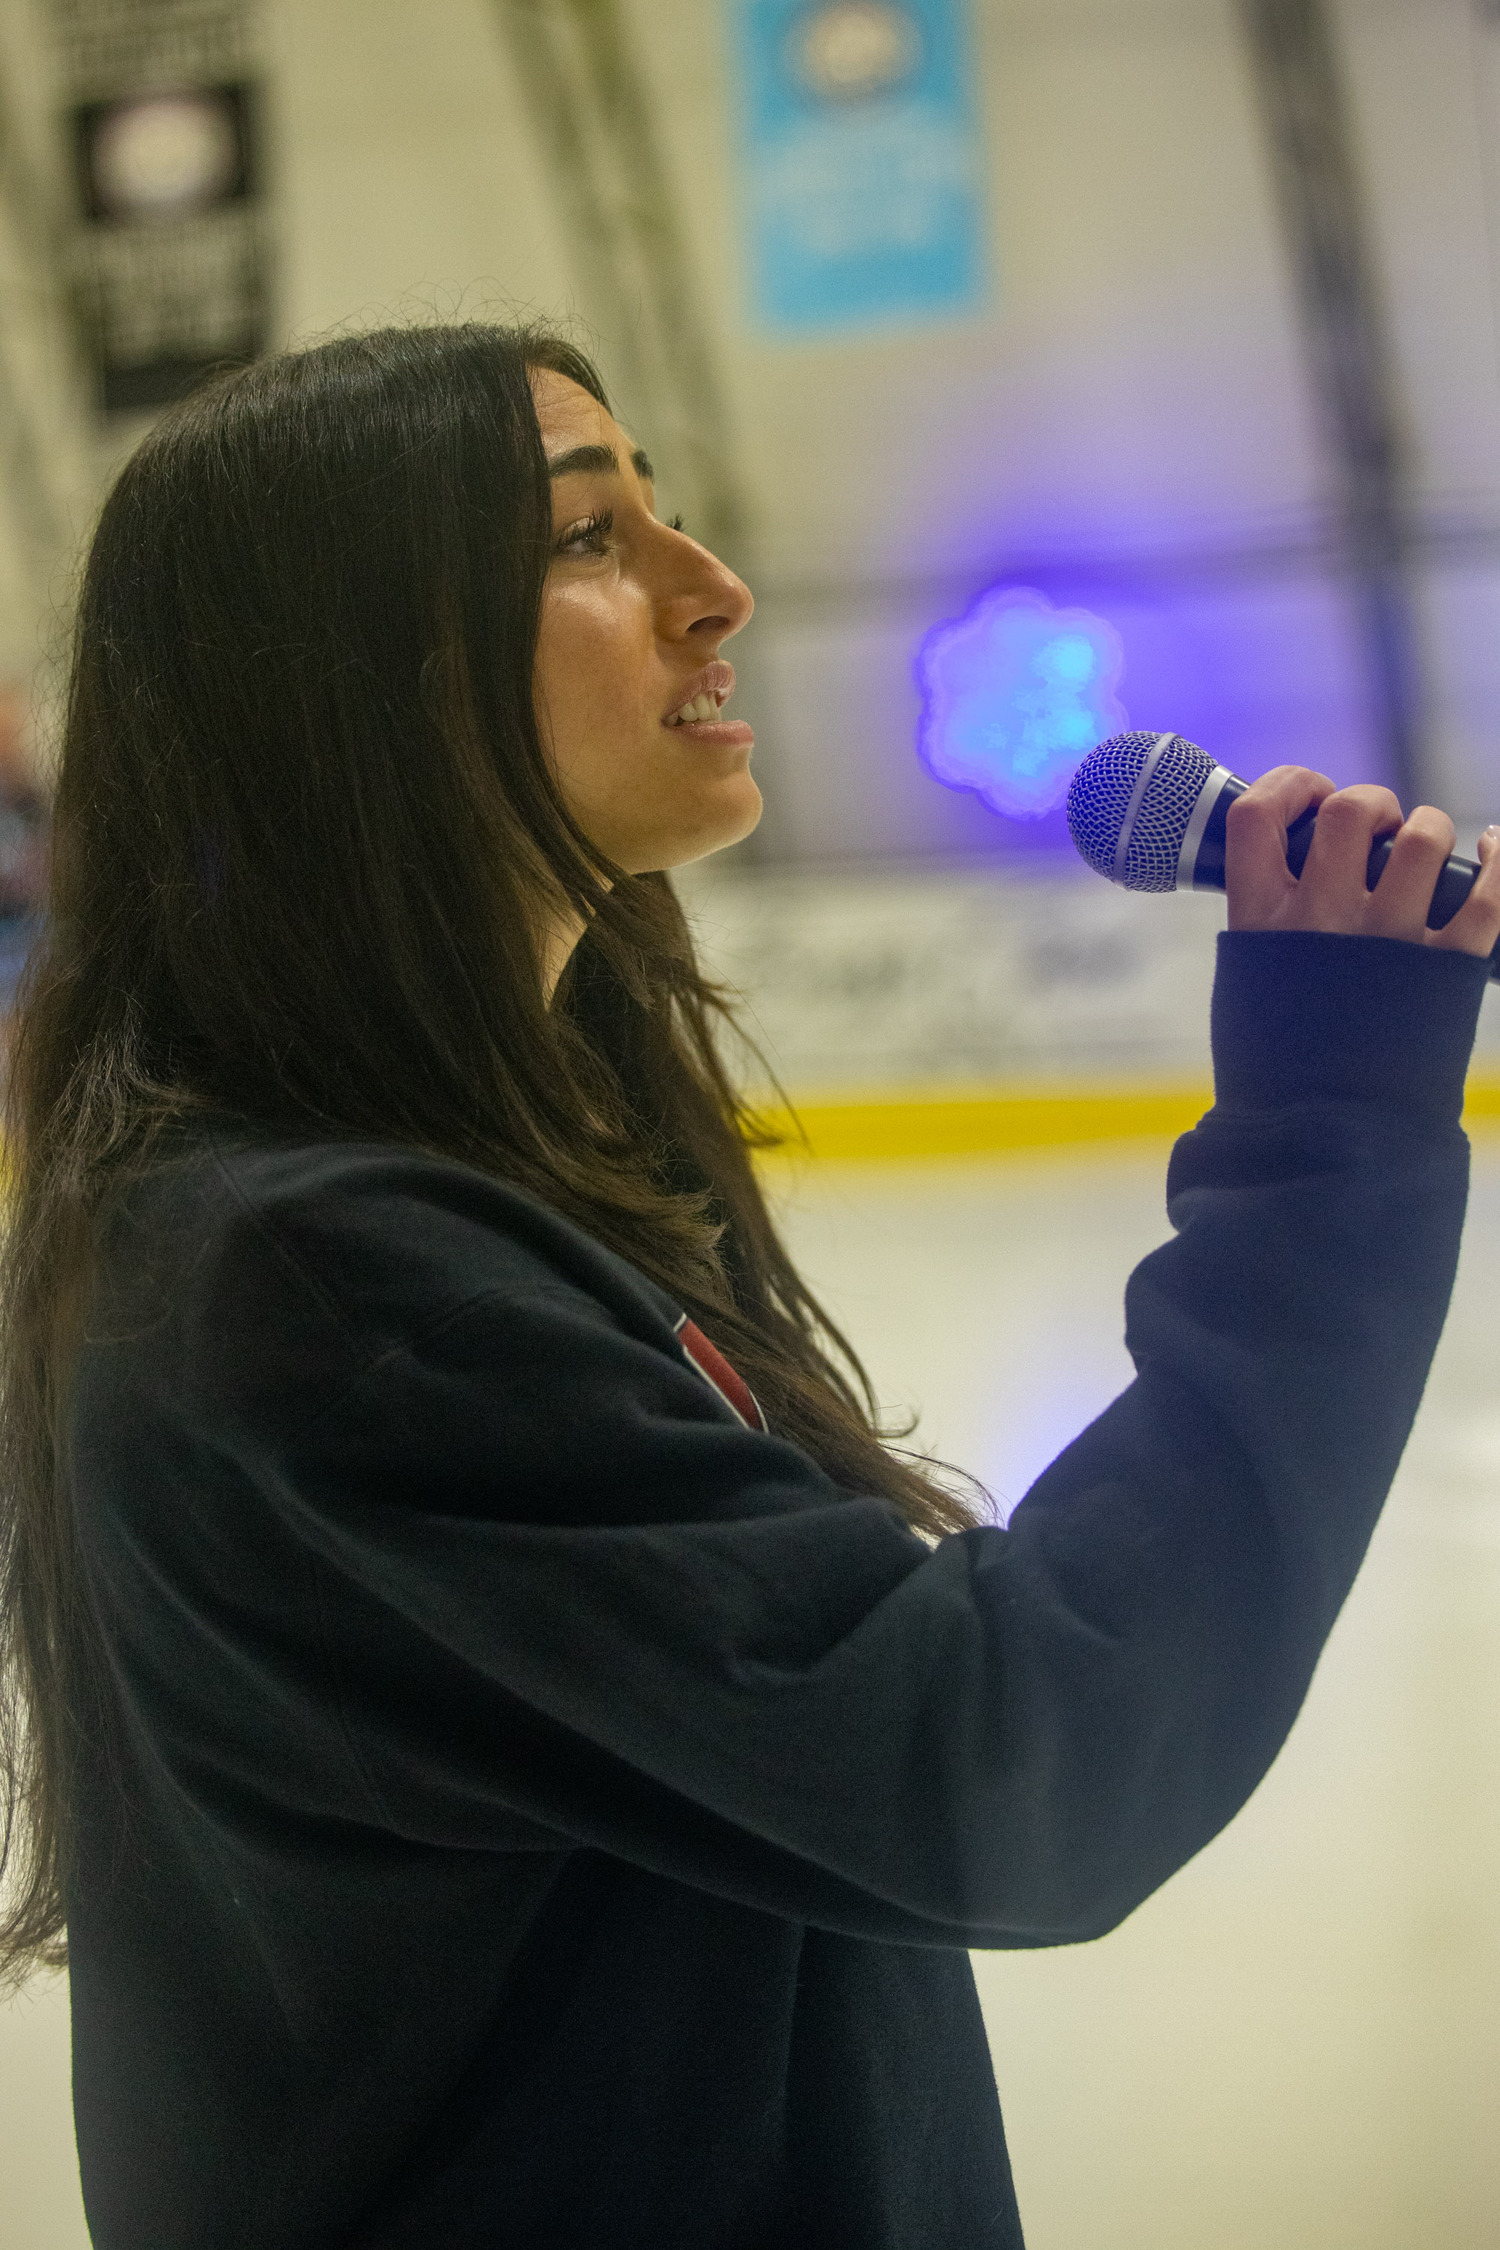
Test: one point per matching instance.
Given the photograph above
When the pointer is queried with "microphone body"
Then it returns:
(1149, 811)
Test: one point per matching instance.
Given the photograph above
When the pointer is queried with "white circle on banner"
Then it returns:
(167, 154)
(852, 49)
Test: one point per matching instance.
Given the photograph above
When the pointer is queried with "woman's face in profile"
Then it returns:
(629, 680)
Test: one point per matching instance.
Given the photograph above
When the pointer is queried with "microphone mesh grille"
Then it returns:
(1100, 798)
(1162, 816)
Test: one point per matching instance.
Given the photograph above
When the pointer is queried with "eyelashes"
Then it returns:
(591, 537)
(588, 537)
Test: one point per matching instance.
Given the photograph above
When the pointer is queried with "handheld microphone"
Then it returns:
(1149, 812)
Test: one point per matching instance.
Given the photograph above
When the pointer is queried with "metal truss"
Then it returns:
(43, 426)
(1318, 186)
(589, 106)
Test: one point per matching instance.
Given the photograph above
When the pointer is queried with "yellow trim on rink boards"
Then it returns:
(1482, 1102)
(897, 1126)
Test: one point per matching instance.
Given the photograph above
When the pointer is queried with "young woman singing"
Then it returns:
(516, 1758)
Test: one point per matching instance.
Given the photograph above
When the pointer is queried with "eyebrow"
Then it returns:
(598, 461)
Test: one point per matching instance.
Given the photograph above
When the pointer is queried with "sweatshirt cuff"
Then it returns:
(1308, 1015)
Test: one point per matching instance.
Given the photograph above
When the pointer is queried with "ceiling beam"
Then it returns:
(35, 429)
(1311, 143)
(588, 104)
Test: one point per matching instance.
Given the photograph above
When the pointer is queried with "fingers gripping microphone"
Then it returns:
(1149, 812)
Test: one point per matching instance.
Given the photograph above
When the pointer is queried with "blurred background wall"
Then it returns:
(1192, 381)
(1128, 415)
(1129, 419)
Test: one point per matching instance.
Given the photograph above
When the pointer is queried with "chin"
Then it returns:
(727, 822)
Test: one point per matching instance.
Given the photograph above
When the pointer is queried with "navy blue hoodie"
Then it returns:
(538, 1808)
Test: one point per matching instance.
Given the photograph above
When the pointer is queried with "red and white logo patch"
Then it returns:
(718, 1374)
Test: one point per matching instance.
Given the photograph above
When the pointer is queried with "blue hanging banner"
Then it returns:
(864, 178)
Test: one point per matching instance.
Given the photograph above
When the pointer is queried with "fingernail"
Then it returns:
(1493, 832)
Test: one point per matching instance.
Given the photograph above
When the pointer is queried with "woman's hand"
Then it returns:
(1330, 894)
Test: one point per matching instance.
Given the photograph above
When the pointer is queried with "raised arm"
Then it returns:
(512, 1578)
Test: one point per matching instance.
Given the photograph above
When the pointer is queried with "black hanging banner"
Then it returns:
(171, 264)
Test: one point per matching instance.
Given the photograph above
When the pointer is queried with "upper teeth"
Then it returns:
(704, 706)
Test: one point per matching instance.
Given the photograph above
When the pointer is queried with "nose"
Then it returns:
(713, 603)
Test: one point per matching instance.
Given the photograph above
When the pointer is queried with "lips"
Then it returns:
(700, 698)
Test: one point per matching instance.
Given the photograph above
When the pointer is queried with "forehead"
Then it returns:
(569, 416)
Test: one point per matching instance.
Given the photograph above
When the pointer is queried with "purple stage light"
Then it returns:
(1014, 693)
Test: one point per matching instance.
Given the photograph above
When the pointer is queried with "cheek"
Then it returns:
(590, 653)
(581, 715)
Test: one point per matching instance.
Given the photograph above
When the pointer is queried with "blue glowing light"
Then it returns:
(1014, 694)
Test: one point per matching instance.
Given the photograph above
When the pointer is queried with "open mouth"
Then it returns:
(704, 696)
(696, 710)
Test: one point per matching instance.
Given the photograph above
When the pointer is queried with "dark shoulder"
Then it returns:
(248, 1247)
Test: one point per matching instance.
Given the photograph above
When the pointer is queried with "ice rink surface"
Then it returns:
(1297, 2041)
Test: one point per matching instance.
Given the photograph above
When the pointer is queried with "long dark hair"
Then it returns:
(305, 841)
